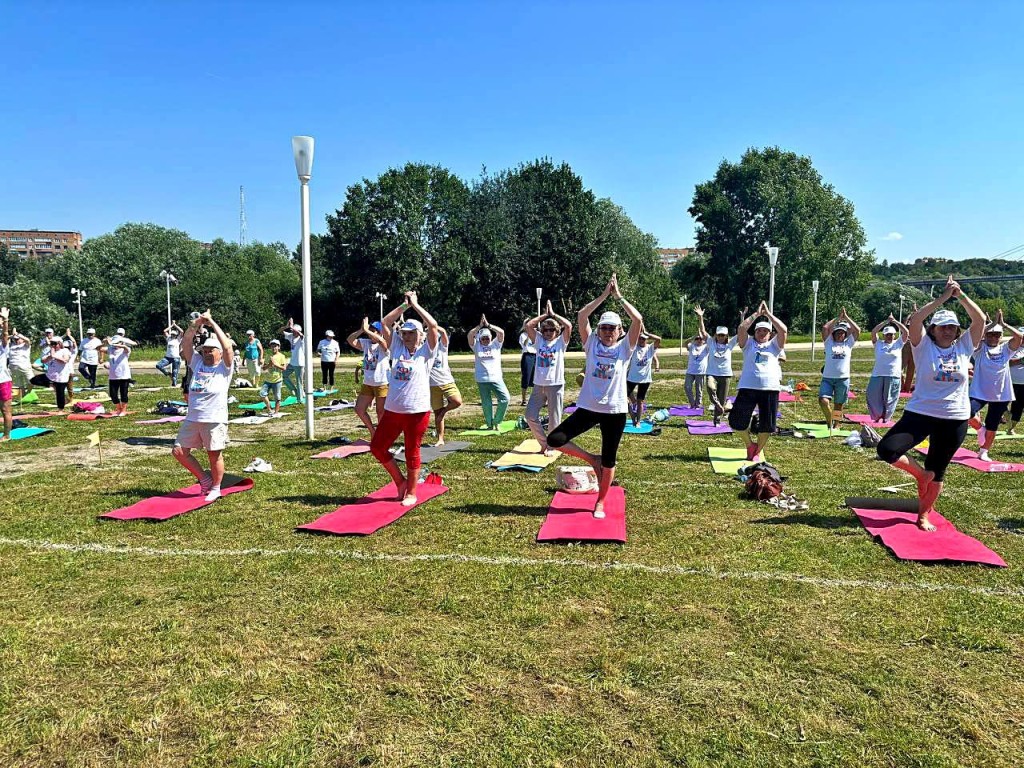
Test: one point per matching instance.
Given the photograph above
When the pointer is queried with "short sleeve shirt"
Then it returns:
(991, 381)
(20, 354)
(761, 369)
(640, 365)
(119, 367)
(1017, 371)
(604, 382)
(550, 368)
(5, 374)
(409, 385)
(375, 363)
(528, 347)
(942, 379)
(58, 369)
(208, 392)
(173, 350)
(888, 357)
(440, 372)
(720, 357)
(697, 364)
(298, 349)
(90, 351)
(487, 359)
(329, 350)
(837, 357)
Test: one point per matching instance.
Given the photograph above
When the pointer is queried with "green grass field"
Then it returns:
(724, 633)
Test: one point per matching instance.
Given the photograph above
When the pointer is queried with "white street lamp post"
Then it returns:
(302, 149)
(682, 322)
(902, 297)
(169, 278)
(773, 258)
(381, 298)
(81, 295)
(814, 316)
(539, 293)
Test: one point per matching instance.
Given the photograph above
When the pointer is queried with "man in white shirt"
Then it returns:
(294, 374)
(89, 360)
(328, 349)
(172, 354)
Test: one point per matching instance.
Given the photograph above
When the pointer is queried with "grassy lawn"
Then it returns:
(724, 633)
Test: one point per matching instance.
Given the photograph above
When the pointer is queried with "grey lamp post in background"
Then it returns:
(381, 298)
(540, 291)
(302, 149)
(81, 295)
(814, 316)
(682, 322)
(169, 278)
(773, 258)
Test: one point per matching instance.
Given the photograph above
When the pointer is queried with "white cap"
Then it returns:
(297, 327)
(48, 330)
(275, 342)
(412, 325)
(90, 330)
(610, 318)
(763, 324)
(997, 328)
(120, 331)
(721, 331)
(840, 326)
(329, 334)
(212, 343)
(485, 332)
(888, 329)
(250, 333)
(945, 317)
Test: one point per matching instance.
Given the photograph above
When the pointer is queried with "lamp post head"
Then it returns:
(773, 254)
(302, 149)
(814, 285)
(540, 291)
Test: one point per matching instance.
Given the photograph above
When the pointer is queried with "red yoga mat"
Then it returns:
(179, 502)
(864, 418)
(899, 534)
(571, 518)
(373, 512)
(344, 451)
(966, 458)
(94, 416)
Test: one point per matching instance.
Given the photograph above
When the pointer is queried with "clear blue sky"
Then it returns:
(159, 111)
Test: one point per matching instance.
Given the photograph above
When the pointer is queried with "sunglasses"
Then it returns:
(607, 327)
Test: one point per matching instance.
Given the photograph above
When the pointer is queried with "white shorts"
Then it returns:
(208, 435)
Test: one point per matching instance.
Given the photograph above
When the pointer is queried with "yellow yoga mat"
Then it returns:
(526, 454)
(725, 461)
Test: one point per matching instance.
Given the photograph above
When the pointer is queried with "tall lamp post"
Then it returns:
(814, 316)
(540, 291)
(902, 297)
(302, 149)
(773, 258)
(682, 322)
(81, 295)
(381, 298)
(169, 278)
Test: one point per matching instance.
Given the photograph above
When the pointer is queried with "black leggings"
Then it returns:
(118, 389)
(994, 414)
(641, 389)
(944, 437)
(60, 388)
(88, 372)
(1018, 402)
(767, 403)
(581, 420)
(327, 371)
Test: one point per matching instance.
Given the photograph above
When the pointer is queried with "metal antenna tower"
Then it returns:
(241, 216)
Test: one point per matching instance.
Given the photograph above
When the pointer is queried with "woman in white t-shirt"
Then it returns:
(697, 351)
(760, 380)
(940, 406)
(57, 360)
(991, 385)
(485, 340)
(719, 373)
(445, 396)
(328, 349)
(549, 372)
(883, 391)
(1017, 382)
(407, 405)
(89, 357)
(527, 362)
(838, 337)
(376, 366)
(602, 401)
(640, 375)
(118, 349)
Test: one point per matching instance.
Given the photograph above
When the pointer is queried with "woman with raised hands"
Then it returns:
(697, 363)
(374, 389)
(640, 375)
(445, 395)
(719, 372)
(992, 385)
(407, 405)
(838, 337)
(602, 401)
(485, 340)
(940, 405)
(883, 393)
(760, 380)
(550, 341)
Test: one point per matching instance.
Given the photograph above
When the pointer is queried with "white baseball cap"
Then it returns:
(275, 343)
(945, 317)
(250, 333)
(610, 318)
(763, 324)
(412, 325)
(721, 331)
(48, 330)
(120, 331)
(997, 328)
(329, 334)
(297, 327)
(90, 330)
(212, 343)
(485, 332)
(888, 329)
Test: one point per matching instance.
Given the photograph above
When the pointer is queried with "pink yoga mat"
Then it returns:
(864, 418)
(967, 458)
(704, 427)
(571, 518)
(177, 503)
(371, 513)
(344, 451)
(34, 415)
(899, 533)
(165, 420)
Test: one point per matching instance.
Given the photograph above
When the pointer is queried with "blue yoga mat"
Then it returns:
(22, 432)
(643, 428)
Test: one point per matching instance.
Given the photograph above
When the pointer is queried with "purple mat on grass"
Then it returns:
(699, 427)
(685, 410)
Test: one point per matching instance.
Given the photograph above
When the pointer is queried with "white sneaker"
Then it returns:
(214, 494)
(982, 434)
(983, 455)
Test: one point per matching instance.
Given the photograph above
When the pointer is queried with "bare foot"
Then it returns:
(922, 483)
(924, 524)
(409, 500)
(439, 443)
(4, 438)
(402, 487)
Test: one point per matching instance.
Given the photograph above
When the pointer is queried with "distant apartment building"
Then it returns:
(39, 243)
(669, 257)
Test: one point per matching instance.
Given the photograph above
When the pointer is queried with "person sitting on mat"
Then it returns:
(444, 392)
(640, 374)
(6, 383)
(698, 350)
(527, 362)
(374, 389)
(485, 340)
(883, 393)
(940, 405)
(838, 336)
(760, 380)
(720, 369)
(206, 424)
(273, 377)
(549, 372)
(407, 406)
(602, 401)
(991, 384)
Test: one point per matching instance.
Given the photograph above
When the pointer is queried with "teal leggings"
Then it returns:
(489, 391)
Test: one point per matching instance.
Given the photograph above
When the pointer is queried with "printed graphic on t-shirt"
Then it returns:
(839, 353)
(545, 357)
(997, 354)
(201, 381)
(761, 357)
(948, 368)
(401, 371)
(604, 371)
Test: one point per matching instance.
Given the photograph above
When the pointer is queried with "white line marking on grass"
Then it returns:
(662, 570)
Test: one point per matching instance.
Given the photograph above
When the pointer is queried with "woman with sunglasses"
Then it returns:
(602, 401)
(992, 385)
(549, 372)
(374, 389)
(760, 380)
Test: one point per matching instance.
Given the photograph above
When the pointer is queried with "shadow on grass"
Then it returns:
(496, 510)
(676, 457)
(813, 519)
(319, 500)
(157, 441)
(1012, 526)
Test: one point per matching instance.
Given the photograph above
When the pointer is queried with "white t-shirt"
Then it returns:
(90, 351)
(550, 368)
(58, 369)
(991, 381)
(604, 384)
(118, 359)
(837, 357)
(375, 364)
(5, 374)
(697, 363)
(1016, 371)
(328, 350)
(208, 392)
(488, 361)
(761, 369)
(720, 357)
(640, 364)
(440, 373)
(409, 386)
(888, 357)
(173, 350)
(20, 355)
(942, 381)
(526, 345)
(298, 349)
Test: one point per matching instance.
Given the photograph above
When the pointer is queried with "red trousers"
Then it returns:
(391, 425)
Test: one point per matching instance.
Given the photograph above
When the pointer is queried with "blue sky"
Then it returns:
(159, 111)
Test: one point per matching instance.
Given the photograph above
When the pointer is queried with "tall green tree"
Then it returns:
(31, 308)
(9, 265)
(777, 196)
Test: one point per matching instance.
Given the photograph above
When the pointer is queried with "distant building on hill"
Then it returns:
(669, 257)
(39, 243)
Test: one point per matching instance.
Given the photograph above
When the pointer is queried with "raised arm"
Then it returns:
(188, 340)
(782, 332)
(743, 329)
(854, 328)
(977, 315)
(226, 350)
(920, 316)
(387, 324)
(583, 316)
(531, 326)
(879, 327)
(826, 329)
(636, 325)
(1015, 333)
(471, 336)
(655, 340)
(702, 331)
(499, 333)
(5, 332)
(429, 323)
(562, 321)
(352, 338)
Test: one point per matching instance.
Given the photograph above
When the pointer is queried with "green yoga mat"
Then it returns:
(819, 431)
(291, 400)
(324, 392)
(999, 435)
(505, 426)
(725, 461)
